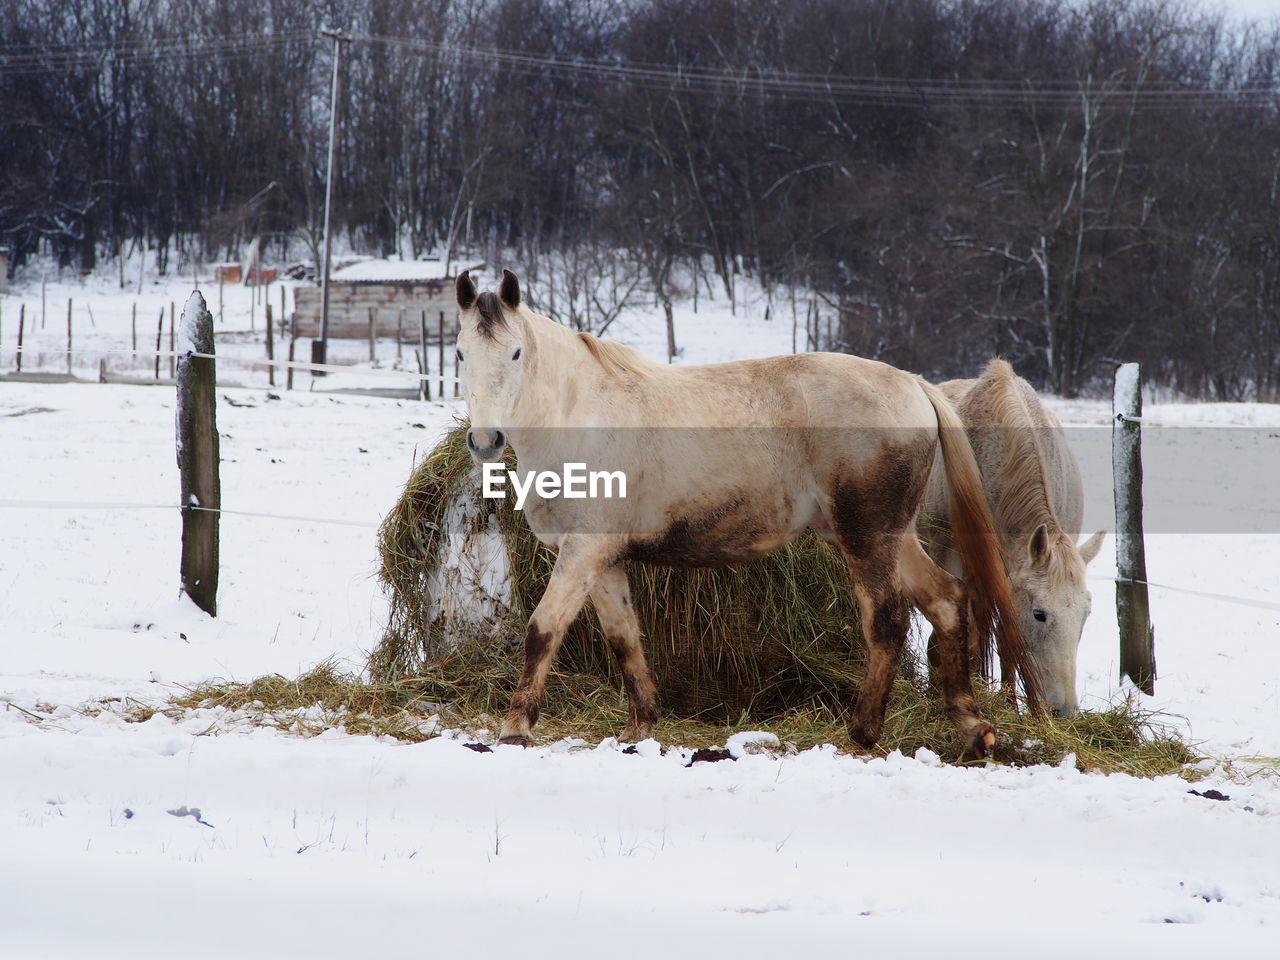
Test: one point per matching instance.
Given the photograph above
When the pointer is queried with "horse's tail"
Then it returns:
(974, 535)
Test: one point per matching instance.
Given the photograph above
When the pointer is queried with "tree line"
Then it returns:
(1065, 184)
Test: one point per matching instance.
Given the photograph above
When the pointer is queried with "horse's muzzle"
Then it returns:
(486, 446)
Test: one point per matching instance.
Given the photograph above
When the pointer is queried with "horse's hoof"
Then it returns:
(984, 743)
(863, 737)
(516, 740)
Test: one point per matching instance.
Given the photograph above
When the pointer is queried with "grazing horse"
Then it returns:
(1036, 497)
(724, 463)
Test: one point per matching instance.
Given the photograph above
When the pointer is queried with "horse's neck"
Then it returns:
(1026, 500)
(564, 386)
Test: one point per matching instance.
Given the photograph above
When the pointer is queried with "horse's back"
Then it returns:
(820, 390)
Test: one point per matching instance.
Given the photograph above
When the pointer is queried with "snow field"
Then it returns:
(340, 845)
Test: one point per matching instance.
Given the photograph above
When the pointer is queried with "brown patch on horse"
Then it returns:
(870, 510)
(536, 644)
(644, 706)
(880, 500)
(491, 318)
(699, 541)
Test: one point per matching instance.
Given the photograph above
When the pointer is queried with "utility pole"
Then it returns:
(319, 347)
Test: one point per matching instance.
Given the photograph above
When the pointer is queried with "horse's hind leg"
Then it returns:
(611, 597)
(944, 602)
(885, 622)
(578, 565)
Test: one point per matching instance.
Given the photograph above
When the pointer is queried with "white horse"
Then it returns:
(1036, 497)
(725, 463)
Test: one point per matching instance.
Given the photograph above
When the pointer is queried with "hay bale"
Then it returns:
(760, 638)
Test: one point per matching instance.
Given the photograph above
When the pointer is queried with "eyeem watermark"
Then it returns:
(575, 482)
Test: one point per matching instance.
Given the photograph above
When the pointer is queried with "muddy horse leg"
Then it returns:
(944, 602)
(577, 567)
(885, 622)
(611, 597)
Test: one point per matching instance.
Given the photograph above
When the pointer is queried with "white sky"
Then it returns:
(1254, 9)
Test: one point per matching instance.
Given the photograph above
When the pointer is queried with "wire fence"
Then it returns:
(441, 378)
(31, 504)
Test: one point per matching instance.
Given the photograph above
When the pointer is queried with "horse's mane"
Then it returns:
(1024, 502)
(616, 358)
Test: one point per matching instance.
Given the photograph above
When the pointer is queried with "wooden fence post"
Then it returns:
(1133, 610)
(22, 322)
(671, 331)
(271, 350)
(68, 336)
(159, 335)
(424, 385)
(440, 356)
(198, 457)
(373, 334)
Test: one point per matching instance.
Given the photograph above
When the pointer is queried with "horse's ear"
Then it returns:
(1038, 545)
(464, 289)
(1089, 549)
(509, 290)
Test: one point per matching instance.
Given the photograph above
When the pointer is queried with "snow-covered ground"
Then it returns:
(341, 845)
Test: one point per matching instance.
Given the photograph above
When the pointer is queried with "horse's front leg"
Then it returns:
(581, 560)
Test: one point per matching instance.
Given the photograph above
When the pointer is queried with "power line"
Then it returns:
(32, 59)
(741, 82)
(875, 90)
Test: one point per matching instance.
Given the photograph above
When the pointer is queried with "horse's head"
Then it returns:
(1048, 581)
(491, 354)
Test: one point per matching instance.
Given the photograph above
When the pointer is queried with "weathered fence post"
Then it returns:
(440, 356)
(159, 335)
(424, 385)
(1133, 611)
(68, 336)
(198, 457)
(22, 322)
(373, 334)
(271, 351)
(671, 330)
(172, 359)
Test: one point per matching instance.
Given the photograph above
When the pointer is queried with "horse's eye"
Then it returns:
(1040, 615)
(457, 354)
(516, 355)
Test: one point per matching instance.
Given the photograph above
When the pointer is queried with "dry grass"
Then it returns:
(472, 696)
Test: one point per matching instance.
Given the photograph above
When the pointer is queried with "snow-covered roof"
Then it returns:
(388, 271)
